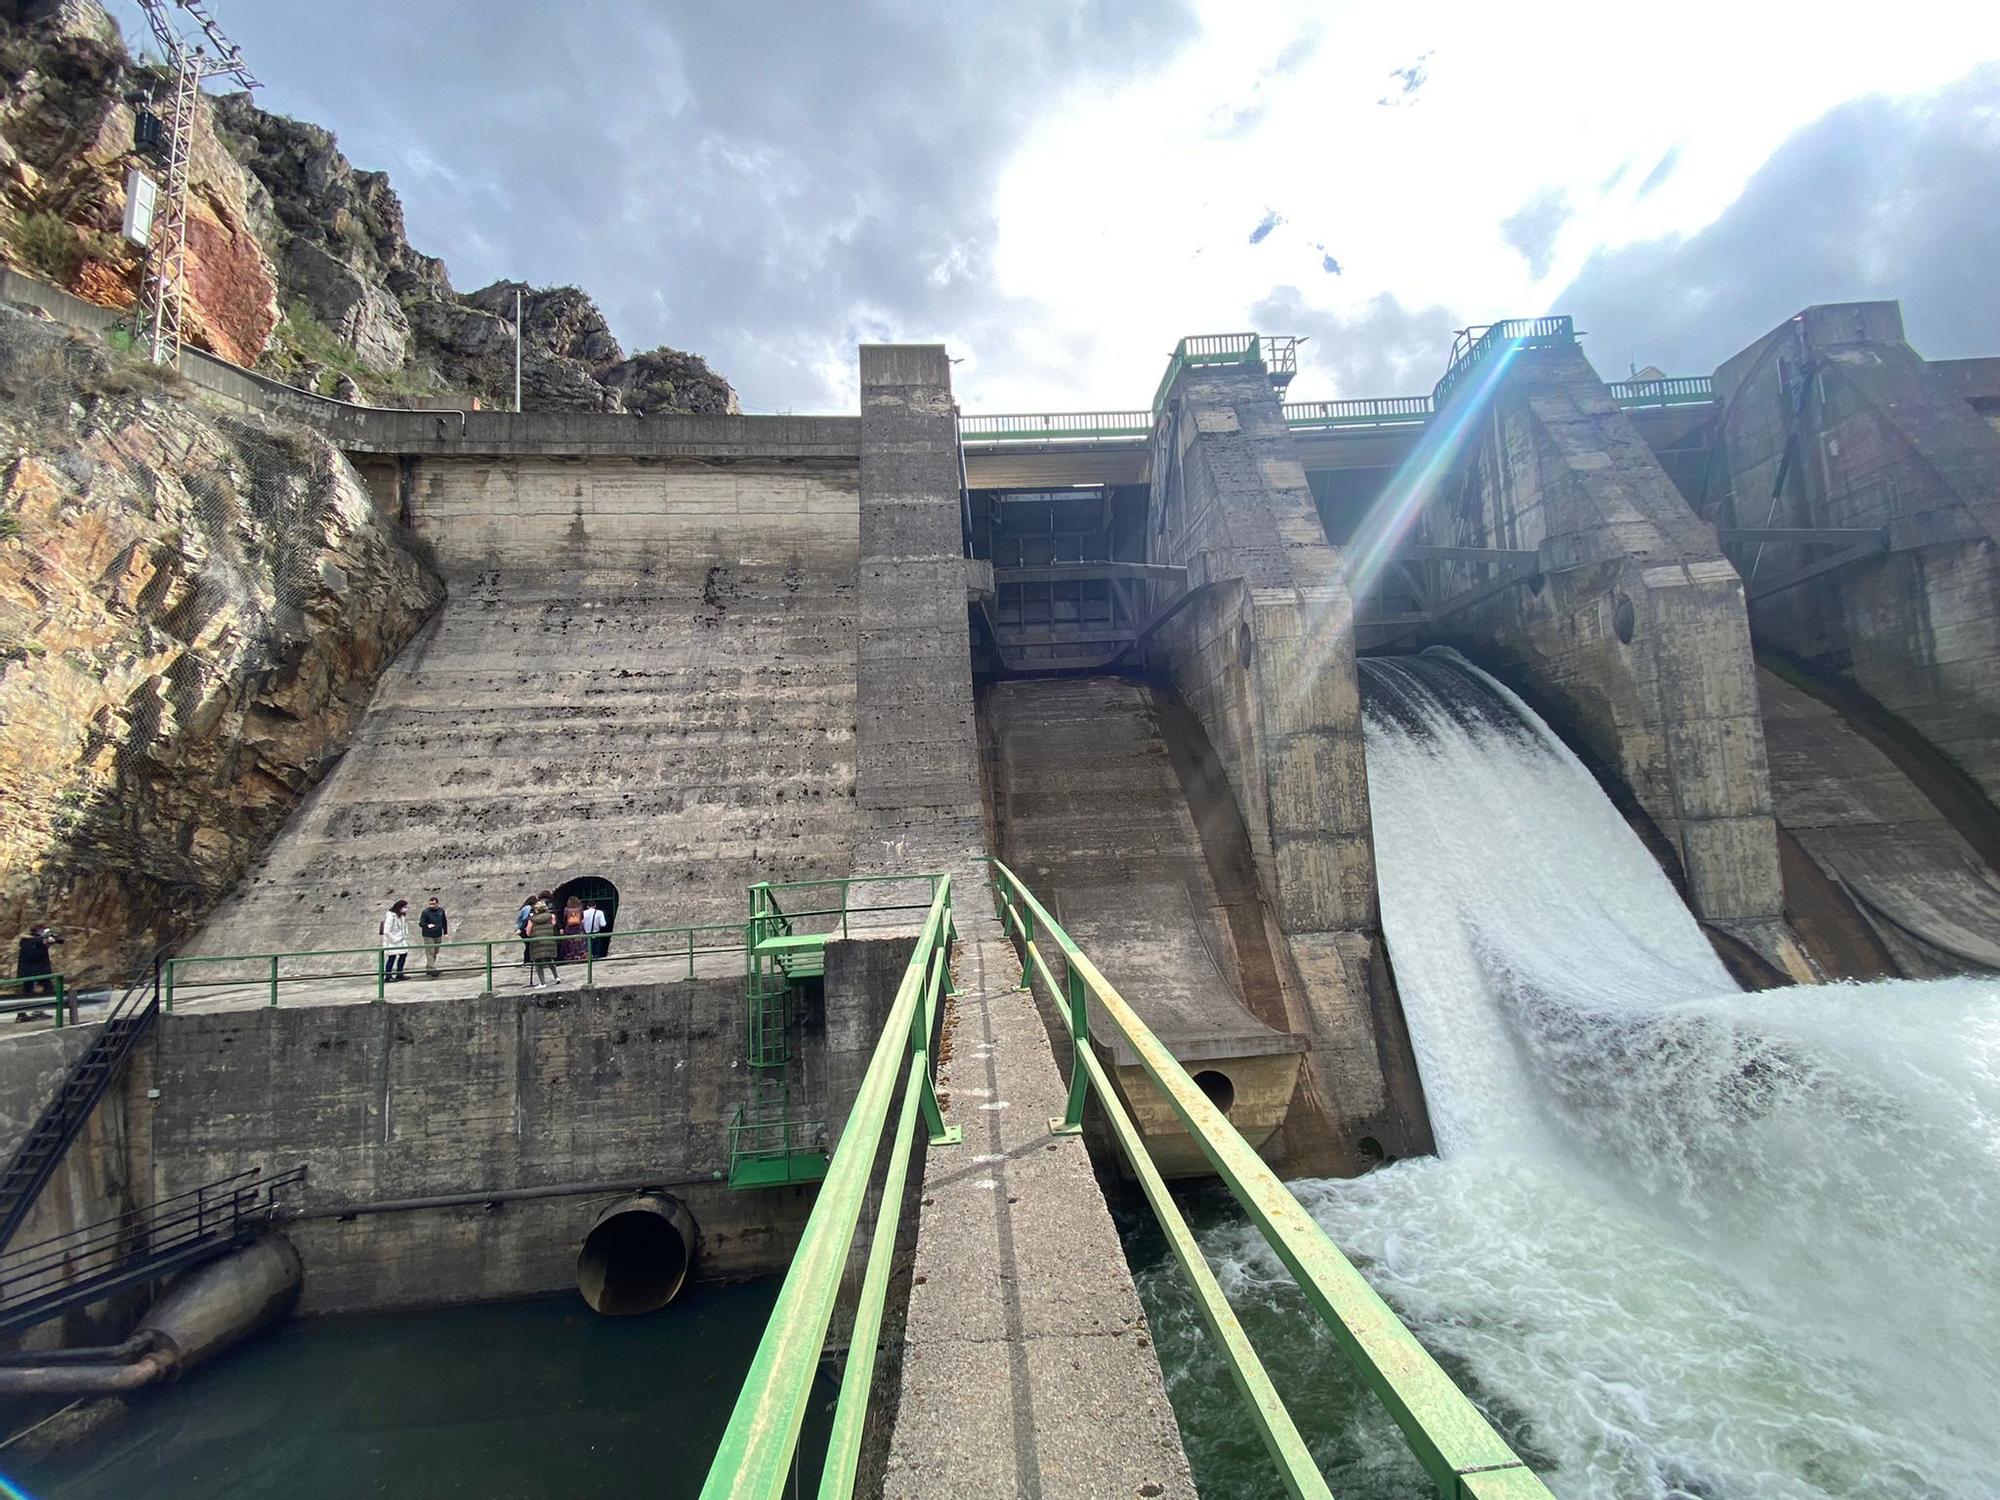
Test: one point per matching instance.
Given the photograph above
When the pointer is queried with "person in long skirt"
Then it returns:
(573, 946)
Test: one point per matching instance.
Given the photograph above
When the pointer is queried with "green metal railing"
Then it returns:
(1372, 411)
(1302, 416)
(775, 1152)
(58, 1000)
(1670, 390)
(1479, 343)
(1207, 349)
(196, 974)
(1462, 1454)
(1064, 426)
(760, 1445)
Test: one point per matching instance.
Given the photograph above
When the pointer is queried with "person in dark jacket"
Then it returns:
(432, 926)
(32, 963)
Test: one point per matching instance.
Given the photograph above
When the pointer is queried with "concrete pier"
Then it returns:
(1092, 814)
(1633, 631)
(1026, 1366)
(1262, 655)
(1833, 423)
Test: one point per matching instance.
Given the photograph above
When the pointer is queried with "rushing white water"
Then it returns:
(1684, 1241)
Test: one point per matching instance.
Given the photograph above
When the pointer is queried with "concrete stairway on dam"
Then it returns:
(680, 733)
(1092, 809)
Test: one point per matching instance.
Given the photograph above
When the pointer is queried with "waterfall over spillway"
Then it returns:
(1683, 1242)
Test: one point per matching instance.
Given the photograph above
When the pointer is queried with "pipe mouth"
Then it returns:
(636, 1257)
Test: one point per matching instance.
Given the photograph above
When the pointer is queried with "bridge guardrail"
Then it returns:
(1670, 390)
(58, 1001)
(1460, 1452)
(760, 1445)
(1369, 411)
(1057, 426)
(193, 975)
(272, 972)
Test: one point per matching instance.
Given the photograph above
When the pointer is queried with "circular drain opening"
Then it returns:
(1220, 1091)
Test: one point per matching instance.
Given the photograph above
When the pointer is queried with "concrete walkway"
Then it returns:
(1028, 1368)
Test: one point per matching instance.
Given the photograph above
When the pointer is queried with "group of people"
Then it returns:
(548, 937)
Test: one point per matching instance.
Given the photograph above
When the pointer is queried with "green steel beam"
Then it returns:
(754, 1461)
(1464, 1457)
(1296, 1468)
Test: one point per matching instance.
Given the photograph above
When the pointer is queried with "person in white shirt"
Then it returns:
(395, 931)
(594, 923)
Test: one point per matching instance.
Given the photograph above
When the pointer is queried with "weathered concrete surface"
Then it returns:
(1093, 816)
(1922, 889)
(644, 673)
(394, 1102)
(1264, 658)
(91, 1183)
(1637, 639)
(570, 1093)
(1025, 1366)
(1877, 438)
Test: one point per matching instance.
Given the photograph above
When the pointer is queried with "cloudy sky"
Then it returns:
(1058, 189)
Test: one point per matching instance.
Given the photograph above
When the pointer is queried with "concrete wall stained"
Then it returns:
(1018, 1296)
(1637, 634)
(1919, 887)
(645, 672)
(1878, 438)
(453, 1098)
(1264, 658)
(1094, 816)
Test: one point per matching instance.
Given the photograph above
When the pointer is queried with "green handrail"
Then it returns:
(1464, 1457)
(1207, 349)
(687, 943)
(59, 999)
(760, 1445)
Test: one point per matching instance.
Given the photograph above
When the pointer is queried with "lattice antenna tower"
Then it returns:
(163, 287)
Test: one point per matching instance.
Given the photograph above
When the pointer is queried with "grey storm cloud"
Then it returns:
(1880, 198)
(764, 187)
(1385, 349)
(1532, 229)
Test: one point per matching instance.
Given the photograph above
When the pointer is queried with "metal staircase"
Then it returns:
(89, 1076)
(46, 1279)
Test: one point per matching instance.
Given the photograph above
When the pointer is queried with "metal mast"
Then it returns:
(163, 287)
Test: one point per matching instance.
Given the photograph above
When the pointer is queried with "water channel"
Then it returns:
(541, 1400)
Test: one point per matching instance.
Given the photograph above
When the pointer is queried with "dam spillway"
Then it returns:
(1691, 1241)
(682, 657)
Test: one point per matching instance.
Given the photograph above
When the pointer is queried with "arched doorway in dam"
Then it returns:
(589, 889)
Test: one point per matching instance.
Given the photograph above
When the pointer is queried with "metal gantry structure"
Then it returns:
(162, 301)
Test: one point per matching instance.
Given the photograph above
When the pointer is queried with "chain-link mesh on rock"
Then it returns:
(194, 610)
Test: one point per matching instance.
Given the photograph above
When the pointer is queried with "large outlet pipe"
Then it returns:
(222, 1302)
(637, 1255)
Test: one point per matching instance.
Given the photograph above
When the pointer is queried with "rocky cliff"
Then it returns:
(194, 610)
(297, 262)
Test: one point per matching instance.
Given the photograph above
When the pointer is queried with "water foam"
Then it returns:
(1682, 1241)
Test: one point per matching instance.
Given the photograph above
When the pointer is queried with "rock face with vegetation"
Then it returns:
(298, 264)
(194, 611)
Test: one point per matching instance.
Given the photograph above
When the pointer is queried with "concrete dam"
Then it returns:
(1436, 911)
